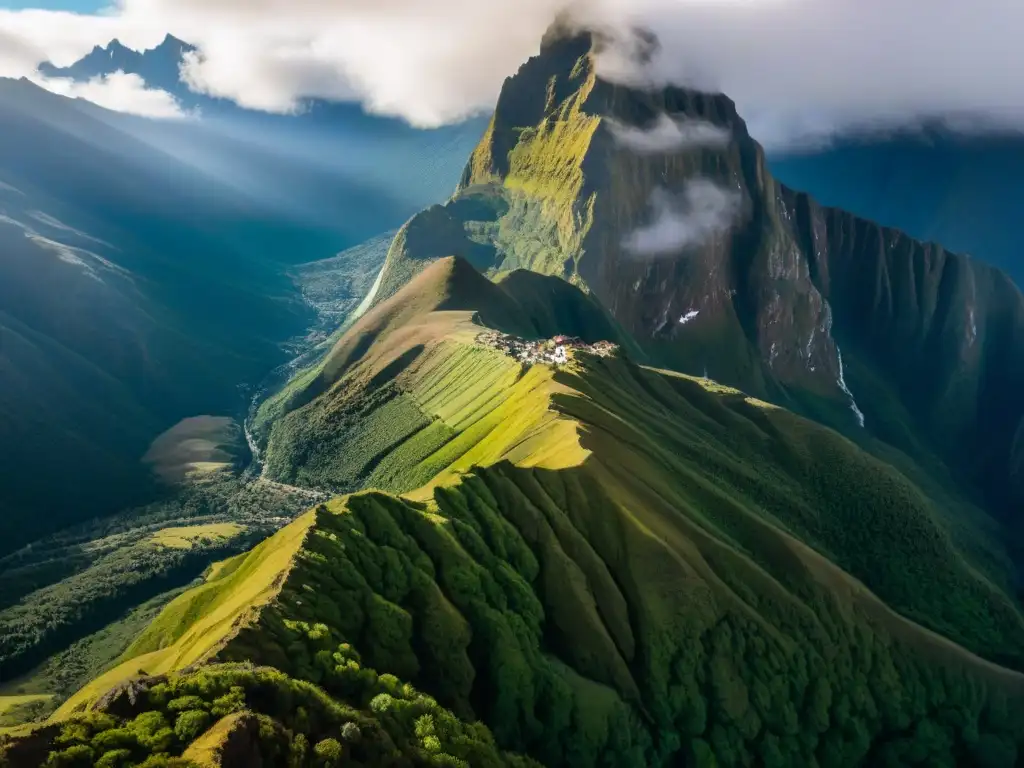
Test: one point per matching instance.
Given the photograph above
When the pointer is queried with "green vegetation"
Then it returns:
(67, 671)
(61, 590)
(23, 708)
(249, 715)
(603, 563)
(187, 537)
(599, 563)
(195, 625)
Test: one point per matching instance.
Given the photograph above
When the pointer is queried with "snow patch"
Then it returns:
(809, 349)
(684, 319)
(846, 390)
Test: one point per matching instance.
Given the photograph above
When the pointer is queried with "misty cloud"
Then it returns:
(670, 134)
(799, 70)
(703, 210)
(119, 92)
(17, 55)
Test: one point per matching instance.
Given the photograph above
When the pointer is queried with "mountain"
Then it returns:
(158, 67)
(147, 269)
(857, 325)
(593, 561)
(960, 191)
(552, 547)
(331, 166)
(134, 291)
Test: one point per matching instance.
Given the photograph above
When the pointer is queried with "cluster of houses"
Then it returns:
(554, 351)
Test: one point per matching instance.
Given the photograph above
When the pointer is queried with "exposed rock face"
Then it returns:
(660, 204)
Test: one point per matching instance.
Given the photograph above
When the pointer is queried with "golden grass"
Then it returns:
(7, 703)
(206, 750)
(185, 536)
(12, 702)
(196, 624)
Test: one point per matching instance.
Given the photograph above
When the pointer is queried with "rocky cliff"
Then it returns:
(659, 203)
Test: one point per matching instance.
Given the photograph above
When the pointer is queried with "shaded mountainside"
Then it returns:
(148, 268)
(134, 292)
(961, 191)
(811, 308)
(599, 561)
(333, 166)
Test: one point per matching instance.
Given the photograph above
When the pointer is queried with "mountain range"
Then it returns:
(146, 273)
(639, 457)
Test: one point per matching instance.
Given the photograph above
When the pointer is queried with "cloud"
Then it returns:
(17, 55)
(803, 70)
(799, 70)
(119, 92)
(430, 63)
(669, 134)
(703, 210)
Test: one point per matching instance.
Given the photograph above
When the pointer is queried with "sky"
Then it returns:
(77, 6)
(799, 70)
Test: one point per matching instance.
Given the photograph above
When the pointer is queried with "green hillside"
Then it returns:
(600, 562)
(814, 309)
(555, 540)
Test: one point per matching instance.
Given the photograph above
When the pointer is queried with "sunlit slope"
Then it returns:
(812, 308)
(387, 408)
(196, 624)
(609, 561)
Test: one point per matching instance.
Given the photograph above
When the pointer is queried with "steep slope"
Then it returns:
(324, 438)
(333, 167)
(133, 293)
(712, 266)
(602, 562)
(960, 191)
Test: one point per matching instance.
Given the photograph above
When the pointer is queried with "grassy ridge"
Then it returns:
(612, 562)
(602, 562)
(195, 624)
(650, 599)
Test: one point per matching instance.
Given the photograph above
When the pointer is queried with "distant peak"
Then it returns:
(170, 42)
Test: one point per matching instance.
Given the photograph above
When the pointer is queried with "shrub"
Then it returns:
(329, 751)
(191, 724)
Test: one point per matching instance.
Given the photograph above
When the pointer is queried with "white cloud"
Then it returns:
(669, 134)
(120, 92)
(801, 70)
(430, 63)
(702, 211)
(796, 68)
(17, 55)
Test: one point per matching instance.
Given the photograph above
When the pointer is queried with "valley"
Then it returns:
(625, 454)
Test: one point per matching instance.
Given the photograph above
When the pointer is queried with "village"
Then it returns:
(554, 351)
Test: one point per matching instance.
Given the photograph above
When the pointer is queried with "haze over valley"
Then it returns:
(604, 384)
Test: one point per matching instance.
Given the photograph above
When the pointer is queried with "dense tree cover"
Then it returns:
(245, 714)
(506, 613)
(648, 606)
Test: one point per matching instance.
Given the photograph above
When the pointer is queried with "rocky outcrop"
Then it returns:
(659, 203)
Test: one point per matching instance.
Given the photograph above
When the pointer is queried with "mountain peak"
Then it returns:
(173, 44)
